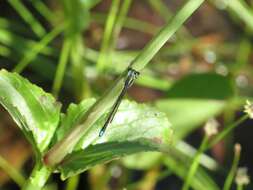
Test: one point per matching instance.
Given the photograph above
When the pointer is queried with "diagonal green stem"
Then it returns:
(56, 154)
(120, 21)
(167, 32)
(160, 7)
(38, 178)
(232, 172)
(32, 54)
(227, 130)
(243, 11)
(130, 23)
(61, 67)
(72, 182)
(110, 22)
(195, 164)
(239, 187)
(41, 7)
(36, 27)
(11, 171)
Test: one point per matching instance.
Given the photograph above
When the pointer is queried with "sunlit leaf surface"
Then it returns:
(194, 99)
(35, 111)
(135, 128)
(186, 115)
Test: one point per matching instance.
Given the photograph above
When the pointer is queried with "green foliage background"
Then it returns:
(71, 49)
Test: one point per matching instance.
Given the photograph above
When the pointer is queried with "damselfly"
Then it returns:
(131, 76)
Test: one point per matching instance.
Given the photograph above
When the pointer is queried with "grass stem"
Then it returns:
(165, 33)
(61, 149)
(226, 131)
(232, 172)
(110, 22)
(72, 183)
(195, 163)
(36, 27)
(12, 172)
(61, 67)
(38, 47)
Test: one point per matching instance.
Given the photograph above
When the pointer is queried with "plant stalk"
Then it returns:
(38, 178)
(12, 172)
(225, 131)
(165, 33)
(59, 75)
(232, 172)
(110, 22)
(195, 163)
(57, 153)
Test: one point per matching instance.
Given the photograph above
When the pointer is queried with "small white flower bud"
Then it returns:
(237, 149)
(248, 109)
(211, 127)
(242, 177)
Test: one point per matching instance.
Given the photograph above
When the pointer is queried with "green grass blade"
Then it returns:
(13, 25)
(226, 131)
(232, 172)
(120, 21)
(4, 51)
(108, 31)
(195, 164)
(31, 55)
(64, 56)
(20, 44)
(36, 27)
(72, 183)
(162, 37)
(161, 7)
(242, 10)
(12, 172)
(178, 162)
(81, 86)
(130, 23)
(43, 9)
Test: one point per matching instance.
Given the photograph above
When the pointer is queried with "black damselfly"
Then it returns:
(131, 76)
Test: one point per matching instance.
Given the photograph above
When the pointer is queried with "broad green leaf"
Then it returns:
(35, 111)
(82, 160)
(143, 160)
(187, 114)
(74, 114)
(132, 121)
(147, 160)
(135, 128)
(202, 86)
(194, 99)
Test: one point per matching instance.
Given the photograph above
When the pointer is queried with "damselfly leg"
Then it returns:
(131, 76)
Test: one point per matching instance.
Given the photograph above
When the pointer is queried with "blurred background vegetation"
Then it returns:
(75, 49)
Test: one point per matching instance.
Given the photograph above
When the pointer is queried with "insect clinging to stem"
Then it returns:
(131, 76)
